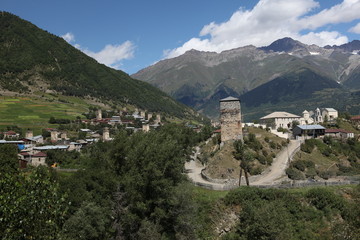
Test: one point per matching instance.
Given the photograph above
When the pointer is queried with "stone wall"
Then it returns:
(230, 119)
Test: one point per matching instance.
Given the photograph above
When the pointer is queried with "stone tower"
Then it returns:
(106, 134)
(29, 134)
(318, 117)
(230, 119)
(98, 114)
(149, 116)
(54, 135)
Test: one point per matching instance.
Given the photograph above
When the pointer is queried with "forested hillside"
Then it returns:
(33, 60)
(134, 188)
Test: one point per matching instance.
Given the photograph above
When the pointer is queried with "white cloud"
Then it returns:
(355, 29)
(270, 20)
(69, 37)
(110, 55)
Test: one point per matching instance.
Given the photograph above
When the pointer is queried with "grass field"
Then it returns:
(34, 113)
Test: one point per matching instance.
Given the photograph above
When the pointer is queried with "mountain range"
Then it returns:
(35, 62)
(286, 75)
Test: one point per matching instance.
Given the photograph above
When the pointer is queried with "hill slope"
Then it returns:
(33, 60)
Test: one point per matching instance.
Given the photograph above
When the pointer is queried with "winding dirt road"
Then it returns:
(275, 172)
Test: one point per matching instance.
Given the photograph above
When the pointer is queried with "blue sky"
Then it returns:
(131, 35)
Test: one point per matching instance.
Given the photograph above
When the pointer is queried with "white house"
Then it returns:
(276, 120)
(329, 114)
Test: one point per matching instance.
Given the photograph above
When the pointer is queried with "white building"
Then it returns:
(306, 119)
(276, 120)
(329, 114)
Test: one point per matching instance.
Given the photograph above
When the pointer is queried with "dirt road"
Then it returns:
(269, 177)
(277, 169)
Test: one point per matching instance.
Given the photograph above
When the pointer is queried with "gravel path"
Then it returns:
(269, 177)
(277, 168)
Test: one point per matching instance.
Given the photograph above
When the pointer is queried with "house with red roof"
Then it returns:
(339, 133)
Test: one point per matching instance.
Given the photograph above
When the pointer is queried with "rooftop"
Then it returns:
(280, 115)
(331, 130)
(310, 127)
(51, 147)
(228, 99)
(330, 109)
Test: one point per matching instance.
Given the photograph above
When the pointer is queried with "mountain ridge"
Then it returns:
(197, 77)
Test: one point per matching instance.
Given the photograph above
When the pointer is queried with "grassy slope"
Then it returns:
(32, 59)
(34, 113)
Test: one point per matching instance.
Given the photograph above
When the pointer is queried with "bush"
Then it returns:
(269, 160)
(322, 198)
(262, 159)
(294, 174)
(255, 171)
(300, 165)
(310, 173)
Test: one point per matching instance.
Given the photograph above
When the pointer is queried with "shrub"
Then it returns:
(269, 160)
(294, 174)
(300, 165)
(267, 139)
(322, 198)
(310, 173)
(265, 153)
(255, 171)
(262, 159)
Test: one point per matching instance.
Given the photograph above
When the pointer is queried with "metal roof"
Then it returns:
(310, 127)
(280, 115)
(229, 99)
(51, 147)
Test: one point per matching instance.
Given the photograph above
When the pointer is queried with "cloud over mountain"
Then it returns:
(273, 19)
(110, 55)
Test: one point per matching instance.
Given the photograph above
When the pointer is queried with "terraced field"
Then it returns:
(34, 113)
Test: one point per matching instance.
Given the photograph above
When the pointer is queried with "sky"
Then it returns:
(133, 34)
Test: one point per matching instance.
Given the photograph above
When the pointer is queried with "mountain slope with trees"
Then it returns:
(200, 79)
(33, 60)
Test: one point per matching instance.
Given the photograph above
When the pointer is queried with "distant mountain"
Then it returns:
(347, 47)
(284, 45)
(33, 61)
(199, 79)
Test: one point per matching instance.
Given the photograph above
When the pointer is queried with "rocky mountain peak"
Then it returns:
(286, 44)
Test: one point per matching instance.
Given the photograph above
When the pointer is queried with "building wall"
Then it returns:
(284, 122)
(37, 161)
(230, 119)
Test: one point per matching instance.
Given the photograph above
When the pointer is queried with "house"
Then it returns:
(75, 146)
(20, 144)
(276, 120)
(355, 120)
(11, 134)
(339, 133)
(38, 159)
(308, 131)
(329, 114)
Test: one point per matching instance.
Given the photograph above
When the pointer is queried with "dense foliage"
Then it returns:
(316, 213)
(343, 154)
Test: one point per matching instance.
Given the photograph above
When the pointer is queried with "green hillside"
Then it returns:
(33, 60)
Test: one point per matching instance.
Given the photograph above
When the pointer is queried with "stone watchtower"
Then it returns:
(99, 114)
(106, 134)
(230, 119)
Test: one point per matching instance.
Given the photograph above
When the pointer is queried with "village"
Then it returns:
(32, 149)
